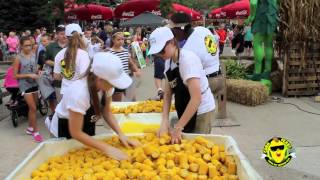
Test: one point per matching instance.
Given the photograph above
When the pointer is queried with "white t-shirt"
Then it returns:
(77, 99)
(93, 49)
(206, 46)
(82, 65)
(190, 67)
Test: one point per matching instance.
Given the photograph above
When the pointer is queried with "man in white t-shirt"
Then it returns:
(206, 46)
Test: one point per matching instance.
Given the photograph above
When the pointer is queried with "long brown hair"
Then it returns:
(75, 42)
(93, 93)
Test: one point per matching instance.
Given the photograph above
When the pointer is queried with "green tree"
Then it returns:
(28, 14)
(166, 7)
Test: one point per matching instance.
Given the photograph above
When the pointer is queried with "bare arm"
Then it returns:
(16, 65)
(166, 104)
(57, 76)
(75, 128)
(193, 105)
(109, 117)
(50, 62)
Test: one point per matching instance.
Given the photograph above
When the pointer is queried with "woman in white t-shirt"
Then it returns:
(85, 101)
(71, 63)
(186, 79)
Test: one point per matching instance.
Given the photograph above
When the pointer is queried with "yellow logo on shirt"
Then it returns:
(68, 74)
(211, 45)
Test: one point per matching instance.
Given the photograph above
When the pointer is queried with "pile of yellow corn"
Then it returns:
(141, 107)
(197, 159)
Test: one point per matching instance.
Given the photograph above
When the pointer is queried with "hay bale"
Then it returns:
(246, 92)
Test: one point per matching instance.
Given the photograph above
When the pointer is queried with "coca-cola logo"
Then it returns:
(72, 17)
(158, 13)
(130, 13)
(241, 13)
(99, 16)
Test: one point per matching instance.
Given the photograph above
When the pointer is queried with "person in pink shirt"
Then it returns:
(11, 84)
(13, 43)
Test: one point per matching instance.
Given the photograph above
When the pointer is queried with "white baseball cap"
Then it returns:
(158, 39)
(108, 66)
(71, 28)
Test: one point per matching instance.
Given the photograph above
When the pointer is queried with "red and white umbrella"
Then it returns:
(215, 14)
(239, 9)
(90, 12)
(133, 8)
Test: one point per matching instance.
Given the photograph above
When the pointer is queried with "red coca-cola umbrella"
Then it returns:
(90, 12)
(133, 8)
(215, 14)
(239, 9)
(196, 16)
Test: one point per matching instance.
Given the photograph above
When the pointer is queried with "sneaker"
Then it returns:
(29, 130)
(37, 137)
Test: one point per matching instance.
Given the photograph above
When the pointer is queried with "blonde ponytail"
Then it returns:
(70, 56)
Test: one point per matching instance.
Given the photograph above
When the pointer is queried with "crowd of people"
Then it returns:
(80, 71)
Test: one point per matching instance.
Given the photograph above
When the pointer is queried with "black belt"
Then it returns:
(214, 74)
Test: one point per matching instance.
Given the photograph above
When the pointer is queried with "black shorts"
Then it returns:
(158, 68)
(31, 90)
(116, 90)
(248, 44)
(88, 126)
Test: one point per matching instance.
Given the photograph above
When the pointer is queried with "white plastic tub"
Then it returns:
(59, 147)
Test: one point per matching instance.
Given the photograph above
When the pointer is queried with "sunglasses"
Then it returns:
(274, 148)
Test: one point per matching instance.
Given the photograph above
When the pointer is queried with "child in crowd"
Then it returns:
(12, 86)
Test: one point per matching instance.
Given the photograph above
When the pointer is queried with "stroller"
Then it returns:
(21, 109)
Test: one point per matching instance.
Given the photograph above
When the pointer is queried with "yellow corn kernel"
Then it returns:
(155, 154)
(184, 173)
(148, 162)
(161, 161)
(222, 148)
(194, 167)
(170, 164)
(210, 145)
(201, 140)
(213, 171)
(203, 169)
(164, 149)
(141, 157)
(202, 177)
(207, 157)
(215, 150)
(223, 157)
(216, 156)
(133, 173)
(223, 170)
(170, 156)
(233, 177)
(216, 163)
(232, 168)
(176, 147)
(161, 168)
(191, 159)
(148, 150)
(183, 159)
